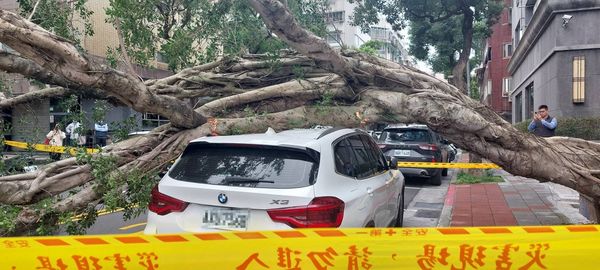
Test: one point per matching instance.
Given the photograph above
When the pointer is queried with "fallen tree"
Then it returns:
(314, 85)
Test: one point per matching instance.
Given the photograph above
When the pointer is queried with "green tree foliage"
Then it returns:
(436, 33)
(474, 88)
(60, 17)
(371, 47)
(190, 32)
(436, 26)
(186, 33)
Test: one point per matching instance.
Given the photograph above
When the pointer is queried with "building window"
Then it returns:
(507, 50)
(516, 34)
(334, 37)
(488, 88)
(506, 86)
(578, 79)
(518, 108)
(152, 120)
(336, 16)
(379, 33)
(529, 100)
(489, 54)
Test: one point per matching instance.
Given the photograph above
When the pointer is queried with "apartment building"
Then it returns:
(493, 78)
(556, 58)
(342, 33)
(31, 121)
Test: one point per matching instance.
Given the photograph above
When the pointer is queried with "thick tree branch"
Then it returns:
(62, 57)
(279, 19)
(34, 95)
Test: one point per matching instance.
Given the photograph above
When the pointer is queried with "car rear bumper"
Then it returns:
(419, 172)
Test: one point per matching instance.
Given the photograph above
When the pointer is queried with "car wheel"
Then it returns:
(445, 172)
(400, 215)
(436, 179)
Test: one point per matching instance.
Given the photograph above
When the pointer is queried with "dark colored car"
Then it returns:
(416, 143)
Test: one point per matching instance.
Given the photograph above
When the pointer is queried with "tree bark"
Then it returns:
(250, 96)
(64, 59)
(465, 122)
(459, 71)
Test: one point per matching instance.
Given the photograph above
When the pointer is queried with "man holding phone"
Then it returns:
(543, 124)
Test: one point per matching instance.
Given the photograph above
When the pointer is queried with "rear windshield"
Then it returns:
(404, 135)
(246, 166)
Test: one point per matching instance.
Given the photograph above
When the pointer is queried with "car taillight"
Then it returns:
(163, 204)
(429, 147)
(321, 212)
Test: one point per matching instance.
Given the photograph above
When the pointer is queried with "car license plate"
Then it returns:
(224, 218)
(402, 153)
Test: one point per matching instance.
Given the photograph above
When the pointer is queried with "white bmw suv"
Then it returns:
(304, 178)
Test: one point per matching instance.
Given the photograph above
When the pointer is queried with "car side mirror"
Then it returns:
(393, 163)
(444, 141)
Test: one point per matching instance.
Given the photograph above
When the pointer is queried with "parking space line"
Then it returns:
(132, 226)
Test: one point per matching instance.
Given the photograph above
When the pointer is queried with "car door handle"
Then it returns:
(370, 191)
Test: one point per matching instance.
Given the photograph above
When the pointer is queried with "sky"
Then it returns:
(422, 65)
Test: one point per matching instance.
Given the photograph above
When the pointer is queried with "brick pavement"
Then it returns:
(517, 201)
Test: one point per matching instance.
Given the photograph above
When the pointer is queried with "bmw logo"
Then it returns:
(222, 198)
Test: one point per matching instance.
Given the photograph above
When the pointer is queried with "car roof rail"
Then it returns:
(329, 131)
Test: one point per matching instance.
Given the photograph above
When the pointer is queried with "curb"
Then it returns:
(446, 215)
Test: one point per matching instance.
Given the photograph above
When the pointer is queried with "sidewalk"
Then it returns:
(518, 201)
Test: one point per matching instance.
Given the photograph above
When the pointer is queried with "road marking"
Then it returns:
(132, 226)
(100, 213)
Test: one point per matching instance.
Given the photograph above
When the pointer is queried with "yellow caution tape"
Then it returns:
(448, 165)
(48, 148)
(556, 247)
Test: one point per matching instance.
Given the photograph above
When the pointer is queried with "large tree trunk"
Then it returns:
(459, 71)
(375, 89)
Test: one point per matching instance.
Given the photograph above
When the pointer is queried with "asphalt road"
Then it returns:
(113, 223)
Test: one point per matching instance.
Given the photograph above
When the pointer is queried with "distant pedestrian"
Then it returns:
(101, 133)
(543, 124)
(73, 130)
(56, 137)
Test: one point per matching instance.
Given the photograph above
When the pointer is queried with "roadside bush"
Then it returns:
(583, 128)
(488, 177)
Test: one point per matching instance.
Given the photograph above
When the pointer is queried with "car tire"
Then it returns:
(400, 215)
(445, 172)
(436, 179)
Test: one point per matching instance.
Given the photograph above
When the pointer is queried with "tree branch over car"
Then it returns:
(251, 92)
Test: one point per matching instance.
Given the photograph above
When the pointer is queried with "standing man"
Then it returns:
(73, 133)
(101, 133)
(543, 124)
